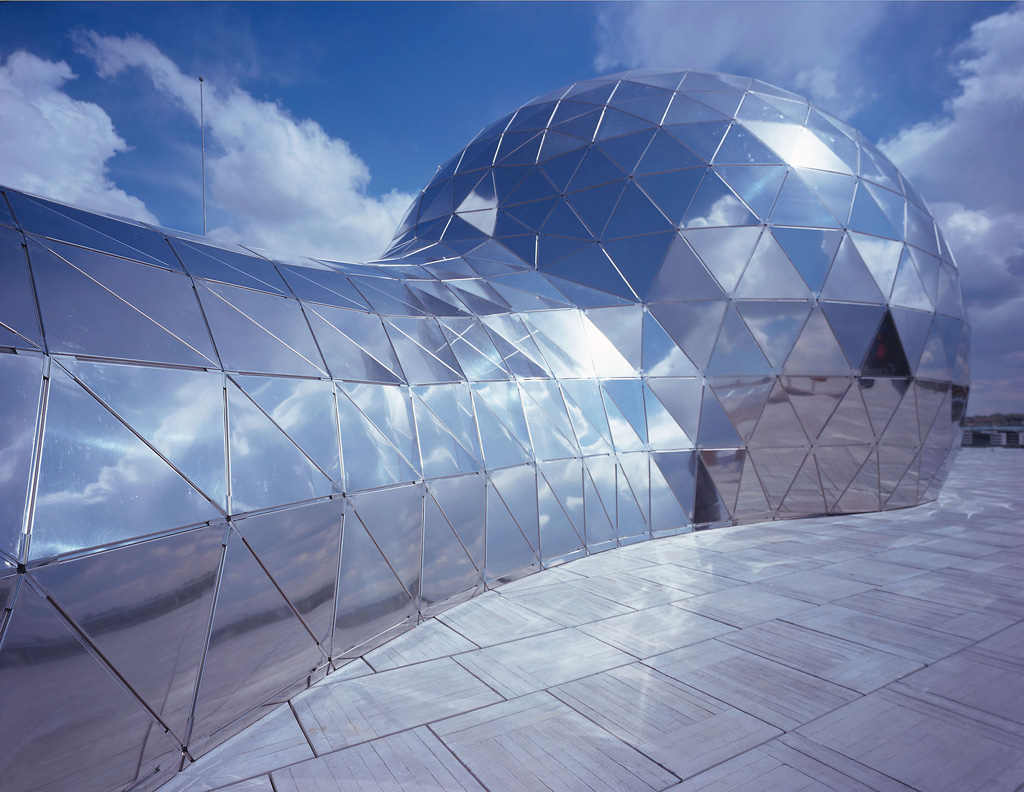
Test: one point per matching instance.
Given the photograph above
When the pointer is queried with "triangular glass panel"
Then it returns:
(593, 267)
(473, 349)
(758, 187)
(51, 714)
(633, 498)
(156, 319)
(892, 203)
(350, 340)
(849, 279)
(664, 431)
(267, 467)
(930, 396)
(848, 425)
(241, 668)
(627, 150)
(499, 447)
(563, 222)
(559, 170)
(928, 269)
(516, 345)
(882, 397)
(702, 138)
(599, 502)
(778, 426)
(21, 379)
(651, 107)
(724, 251)
(615, 122)
(331, 288)
(816, 352)
(453, 406)
(305, 411)
(777, 468)
(742, 148)
(682, 398)
(835, 190)
(596, 168)
(886, 356)
(798, 206)
(950, 331)
(635, 214)
(594, 205)
(770, 274)
(115, 236)
(586, 411)
(751, 503)
(685, 110)
(370, 596)
(622, 326)
(743, 399)
(390, 411)
(549, 425)
(226, 266)
(506, 179)
(694, 329)
(867, 218)
(904, 426)
(907, 289)
(98, 482)
(708, 506)
(715, 205)
(679, 470)
(534, 187)
(628, 398)
(775, 324)
(672, 192)
(949, 300)
(837, 467)
(18, 314)
(638, 258)
(815, 399)
(716, 430)
(736, 352)
(862, 493)
(507, 549)
(797, 146)
(560, 502)
(518, 489)
(921, 230)
(422, 349)
(805, 496)
(447, 568)
(299, 548)
(666, 153)
(667, 516)
(882, 257)
(461, 498)
(561, 337)
(260, 332)
(683, 276)
(394, 519)
(443, 455)
(661, 356)
(370, 458)
(810, 251)
(178, 412)
(98, 590)
(854, 327)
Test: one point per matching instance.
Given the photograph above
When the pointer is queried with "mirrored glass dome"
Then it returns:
(646, 304)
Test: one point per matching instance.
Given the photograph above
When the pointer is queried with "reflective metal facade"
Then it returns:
(640, 305)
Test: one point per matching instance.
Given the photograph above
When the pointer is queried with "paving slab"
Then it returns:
(655, 630)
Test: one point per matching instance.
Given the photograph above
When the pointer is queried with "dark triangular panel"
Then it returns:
(736, 351)
(147, 607)
(672, 192)
(751, 503)
(661, 356)
(885, 356)
(679, 470)
(725, 468)
(743, 399)
(708, 506)
(299, 548)
(683, 277)
(849, 279)
(394, 519)
(51, 743)
(639, 258)
(694, 329)
(257, 644)
(854, 326)
(19, 318)
(371, 598)
(716, 430)
(447, 568)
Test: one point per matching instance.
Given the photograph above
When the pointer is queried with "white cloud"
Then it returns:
(54, 145)
(970, 163)
(275, 182)
(808, 47)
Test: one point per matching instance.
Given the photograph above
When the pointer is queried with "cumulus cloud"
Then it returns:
(274, 181)
(970, 163)
(54, 145)
(805, 46)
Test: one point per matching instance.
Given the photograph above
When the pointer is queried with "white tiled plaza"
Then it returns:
(874, 652)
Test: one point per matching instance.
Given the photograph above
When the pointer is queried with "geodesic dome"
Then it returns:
(645, 304)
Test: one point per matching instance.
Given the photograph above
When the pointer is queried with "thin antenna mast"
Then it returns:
(202, 133)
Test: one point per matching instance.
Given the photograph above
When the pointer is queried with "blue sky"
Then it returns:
(324, 119)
